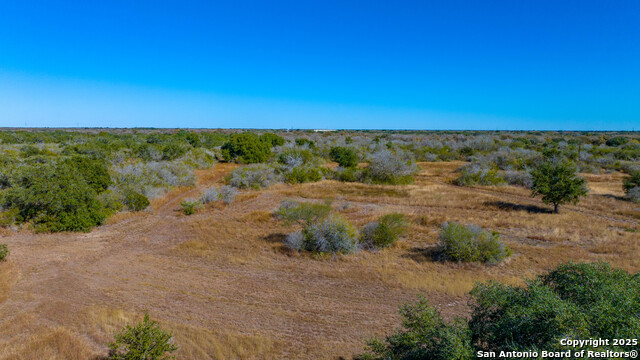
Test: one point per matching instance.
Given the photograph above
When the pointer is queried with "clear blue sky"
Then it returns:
(321, 64)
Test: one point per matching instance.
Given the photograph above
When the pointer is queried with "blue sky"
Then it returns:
(324, 64)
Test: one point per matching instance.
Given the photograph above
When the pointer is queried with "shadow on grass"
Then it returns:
(428, 254)
(507, 206)
(611, 196)
(278, 238)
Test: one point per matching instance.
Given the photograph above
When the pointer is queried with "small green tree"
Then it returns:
(247, 147)
(345, 157)
(144, 341)
(558, 183)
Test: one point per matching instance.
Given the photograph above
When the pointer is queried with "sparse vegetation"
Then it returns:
(4, 251)
(190, 206)
(468, 243)
(143, 341)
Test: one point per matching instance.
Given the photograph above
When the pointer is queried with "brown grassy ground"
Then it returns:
(224, 283)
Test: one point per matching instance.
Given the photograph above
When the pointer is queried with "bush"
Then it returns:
(634, 195)
(146, 340)
(4, 251)
(54, 198)
(134, 201)
(331, 235)
(632, 181)
(576, 301)
(303, 174)
(475, 174)
(272, 139)
(345, 157)
(304, 213)
(384, 232)
(471, 243)
(254, 176)
(388, 167)
(519, 178)
(94, 172)
(294, 157)
(190, 206)
(227, 194)
(246, 147)
(558, 183)
(348, 174)
(210, 195)
(424, 335)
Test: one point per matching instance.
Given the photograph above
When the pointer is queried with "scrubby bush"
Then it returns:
(391, 167)
(470, 243)
(631, 181)
(303, 174)
(54, 198)
(303, 142)
(331, 235)
(519, 178)
(348, 174)
(384, 232)
(475, 174)
(633, 195)
(145, 340)
(574, 301)
(94, 172)
(254, 176)
(210, 195)
(227, 194)
(246, 147)
(4, 251)
(190, 206)
(293, 157)
(345, 157)
(304, 213)
(424, 335)
(134, 201)
(272, 139)
(558, 183)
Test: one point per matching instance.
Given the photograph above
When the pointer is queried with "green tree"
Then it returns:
(246, 147)
(272, 139)
(144, 341)
(558, 183)
(94, 171)
(345, 157)
(54, 198)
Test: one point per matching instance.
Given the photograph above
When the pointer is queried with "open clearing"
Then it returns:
(226, 286)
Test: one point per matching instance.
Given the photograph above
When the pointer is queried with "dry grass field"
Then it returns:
(226, 286)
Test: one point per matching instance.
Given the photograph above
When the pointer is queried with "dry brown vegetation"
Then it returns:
(226, 286)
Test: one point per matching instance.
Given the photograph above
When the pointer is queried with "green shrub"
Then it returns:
(4, 251)
(173, 151)
(134, 201)
(345, 157)
(424, 335)
(94, 172)
(146, 340)
(348, 174)
(272, 139)
(574, 301)
(304, 213)
(303, 142)
(558, 183)
(631, 181)
(303, 174)
(190, 206)
(246, 147)
(54, 198)
(384, 232)
(471, 243)
(295, 157)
